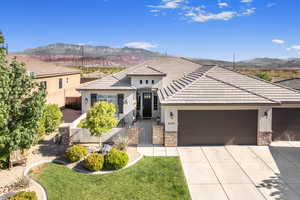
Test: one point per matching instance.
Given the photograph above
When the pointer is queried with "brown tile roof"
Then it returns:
(216, 85)
(190, 83)
(146, 71)
(42, 69)
(172, 68)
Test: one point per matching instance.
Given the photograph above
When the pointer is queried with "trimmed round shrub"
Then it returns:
(76, 152)
(94, 162)
(115, 159)
(24, 195)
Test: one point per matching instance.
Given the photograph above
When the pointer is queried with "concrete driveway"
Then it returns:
(238, 172)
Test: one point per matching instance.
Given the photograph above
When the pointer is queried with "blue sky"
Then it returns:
(194, 28)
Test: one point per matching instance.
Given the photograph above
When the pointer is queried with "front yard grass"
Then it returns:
(149, 179)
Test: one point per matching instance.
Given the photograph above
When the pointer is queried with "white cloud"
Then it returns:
(246, 1)
(223, 4)
(140, 45)
(249, 11)
(277, 41)
(202, 16)
(169, 4)
(295, 48)
(155, 11)
(200, 13)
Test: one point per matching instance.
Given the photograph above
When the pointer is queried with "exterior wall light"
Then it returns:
(171, 115)
(86, 100)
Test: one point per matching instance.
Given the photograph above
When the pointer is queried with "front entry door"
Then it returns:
(147, 108)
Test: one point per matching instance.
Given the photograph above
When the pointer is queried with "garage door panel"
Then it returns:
(286, 124)
(217, 127)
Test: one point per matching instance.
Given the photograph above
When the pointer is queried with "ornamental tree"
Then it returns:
(51, 118)
(1, 37)
(21, 105)
(101, 118)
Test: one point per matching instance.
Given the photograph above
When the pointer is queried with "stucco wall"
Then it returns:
(171, 124)
(56, 95)
(129, 102)
(158, 82)
(265, 120)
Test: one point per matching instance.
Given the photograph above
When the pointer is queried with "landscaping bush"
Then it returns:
(115, 159)
(121, 143)
(24, 195)
(94, 162)
(76, 152)
(50, 119)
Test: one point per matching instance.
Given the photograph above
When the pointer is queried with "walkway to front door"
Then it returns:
(145, 134)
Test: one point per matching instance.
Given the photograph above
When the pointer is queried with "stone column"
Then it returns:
(133, 135)
(158, 134)
(65, 132)
(170, 139)
(171, 126)
(264, 132)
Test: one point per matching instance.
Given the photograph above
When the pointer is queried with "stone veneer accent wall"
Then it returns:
(133, 135)
(158, 134)
(65, 131)
(264, 138)
(170, 139)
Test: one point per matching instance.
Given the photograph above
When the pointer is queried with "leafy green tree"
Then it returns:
(264, 75)
(101, 118)
(1, 37)
(21, 105)
(50, 120)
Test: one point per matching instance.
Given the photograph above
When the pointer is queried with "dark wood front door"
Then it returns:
(147, 108)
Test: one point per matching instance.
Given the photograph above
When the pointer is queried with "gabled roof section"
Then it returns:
(107, 83)
(146, 71)
(199, 88)
(217, 85)
(172, 68)
(260, 87)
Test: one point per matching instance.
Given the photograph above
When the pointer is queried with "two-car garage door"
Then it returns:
(199, 127)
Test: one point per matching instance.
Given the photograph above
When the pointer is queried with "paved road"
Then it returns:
(239, 172)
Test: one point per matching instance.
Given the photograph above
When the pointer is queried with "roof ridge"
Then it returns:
(154, 69)
(259, 79)
(243, 89)
(183, 86)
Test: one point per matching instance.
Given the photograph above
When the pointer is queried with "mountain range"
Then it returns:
(88, 55)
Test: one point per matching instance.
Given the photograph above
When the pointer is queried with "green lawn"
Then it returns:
(149, 179)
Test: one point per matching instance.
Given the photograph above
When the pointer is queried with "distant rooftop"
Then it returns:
(42, 69)
(292, 83)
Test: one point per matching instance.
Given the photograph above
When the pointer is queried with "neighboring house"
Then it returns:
(60, 82)
(200, 104)
(291, 83)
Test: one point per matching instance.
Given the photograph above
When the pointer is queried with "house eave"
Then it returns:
(220, 104)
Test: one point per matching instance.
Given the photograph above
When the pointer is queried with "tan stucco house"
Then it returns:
(60, 81)
(199, 104)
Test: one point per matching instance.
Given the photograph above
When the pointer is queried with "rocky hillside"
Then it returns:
(87, 55)
(264, 63)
